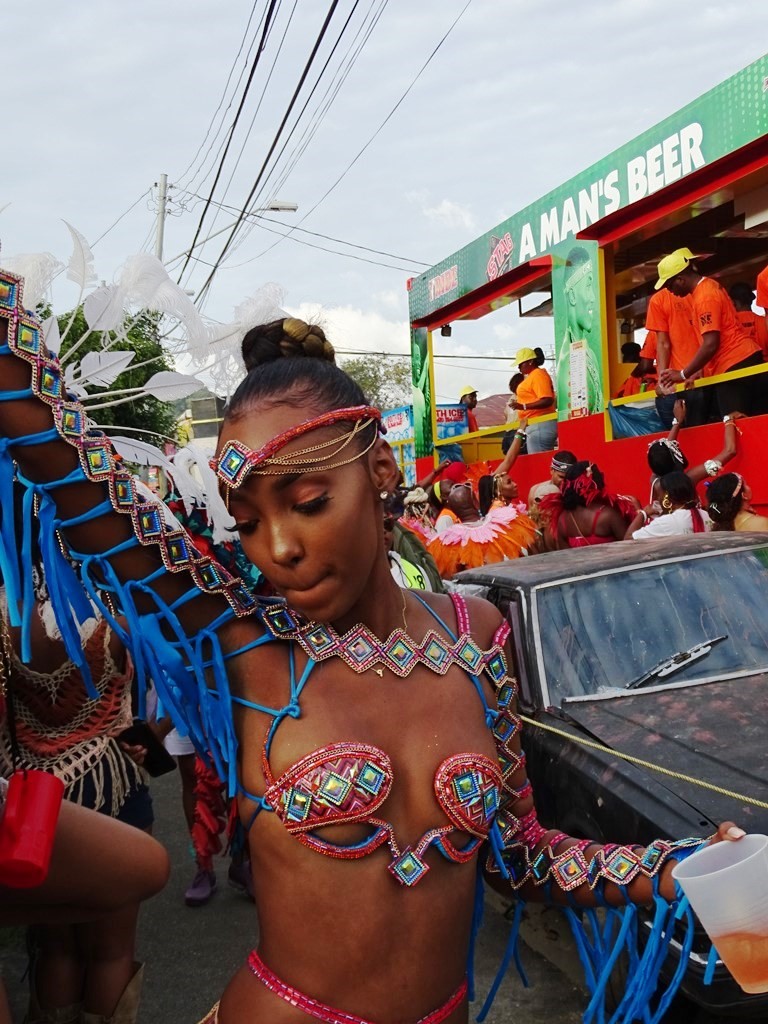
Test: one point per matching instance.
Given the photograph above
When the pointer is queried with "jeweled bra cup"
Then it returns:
(348, 782)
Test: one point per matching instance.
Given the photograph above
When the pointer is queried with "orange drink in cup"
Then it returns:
(727, 886)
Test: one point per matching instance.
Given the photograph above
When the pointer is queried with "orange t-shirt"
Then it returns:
(754, 325)
(634, 385)
(648, 351)
(538, 384)
(762, 289)
(674, 316)
(715, 312)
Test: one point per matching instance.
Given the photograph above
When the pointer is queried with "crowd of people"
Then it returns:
(472, 517)
(328, 777)
(695, 329)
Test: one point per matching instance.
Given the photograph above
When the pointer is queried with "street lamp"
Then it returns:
(273, 206)
(279, 206)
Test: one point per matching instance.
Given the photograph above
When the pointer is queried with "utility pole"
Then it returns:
(162, 196)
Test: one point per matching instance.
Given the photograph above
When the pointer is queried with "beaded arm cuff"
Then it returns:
(517, 853)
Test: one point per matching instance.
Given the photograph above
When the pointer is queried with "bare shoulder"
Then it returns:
(484, 617)
(240, 632)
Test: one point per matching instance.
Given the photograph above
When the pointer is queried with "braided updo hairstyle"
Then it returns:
(292, 363)
(291, 338)
(665, 457)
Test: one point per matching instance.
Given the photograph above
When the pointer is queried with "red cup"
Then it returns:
(28, 827)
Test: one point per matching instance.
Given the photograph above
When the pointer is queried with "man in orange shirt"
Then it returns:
(535, 397)
(643, 377)
(670, 317)
(743, 295)
(725, 346)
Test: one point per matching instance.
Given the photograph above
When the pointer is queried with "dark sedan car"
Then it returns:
(658, 649)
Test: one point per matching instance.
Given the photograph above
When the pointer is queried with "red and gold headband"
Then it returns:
(237, 461)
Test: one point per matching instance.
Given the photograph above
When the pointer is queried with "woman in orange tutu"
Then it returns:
(504, 533)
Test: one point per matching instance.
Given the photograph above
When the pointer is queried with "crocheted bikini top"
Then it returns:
(349, 782)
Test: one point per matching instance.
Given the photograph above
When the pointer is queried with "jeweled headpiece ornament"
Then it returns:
(672, 446)
(237, 461)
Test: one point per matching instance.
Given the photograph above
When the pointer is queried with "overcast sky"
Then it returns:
(100, 97)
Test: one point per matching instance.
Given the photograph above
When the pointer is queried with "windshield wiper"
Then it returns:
(678, 661)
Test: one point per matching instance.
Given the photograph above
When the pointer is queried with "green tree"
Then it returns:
(386, 380)
(144, 412)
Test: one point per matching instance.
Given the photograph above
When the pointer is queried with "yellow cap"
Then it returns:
(467, 391)
(673, 265)
(524, 355)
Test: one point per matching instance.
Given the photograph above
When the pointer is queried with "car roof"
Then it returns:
(534, 570)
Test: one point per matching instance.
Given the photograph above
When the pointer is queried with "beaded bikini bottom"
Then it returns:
(320, 1011)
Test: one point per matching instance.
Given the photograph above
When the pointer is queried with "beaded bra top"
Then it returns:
(349, 782)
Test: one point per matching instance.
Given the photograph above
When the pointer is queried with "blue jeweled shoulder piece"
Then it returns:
(189, 671)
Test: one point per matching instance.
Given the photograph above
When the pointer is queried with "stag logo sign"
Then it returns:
(501, 256)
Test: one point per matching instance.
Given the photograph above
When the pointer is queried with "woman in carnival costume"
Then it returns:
(729, 503)
(474, 540)
(77, 972)
(368, 843)
(681, 512)
(585, 513)
(666, 456)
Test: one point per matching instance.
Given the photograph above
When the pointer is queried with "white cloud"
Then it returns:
(451, 215)
(351, 329)
(393, 300)
(90, 114)
(418, 196)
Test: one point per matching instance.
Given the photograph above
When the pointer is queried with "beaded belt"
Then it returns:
(327, 1013)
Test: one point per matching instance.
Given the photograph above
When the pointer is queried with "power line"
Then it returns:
(267, 21)
(397, 355)
(386, 120)
(312, 245)
(294, 98)
(319, 234)
(253, 197)
(123, 214)
(475, 369)
(249, 130)
(326, 102)
(201, 173)
(221, 101)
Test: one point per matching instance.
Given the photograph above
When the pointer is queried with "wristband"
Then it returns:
(682, 375)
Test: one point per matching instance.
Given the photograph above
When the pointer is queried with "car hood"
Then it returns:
(715, 732)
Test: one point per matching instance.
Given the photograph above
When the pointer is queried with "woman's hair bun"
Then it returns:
(291, 338)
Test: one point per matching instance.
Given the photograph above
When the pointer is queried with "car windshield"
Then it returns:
(600, 634)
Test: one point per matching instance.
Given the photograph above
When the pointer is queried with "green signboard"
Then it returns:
(721, 121)
(421, 358)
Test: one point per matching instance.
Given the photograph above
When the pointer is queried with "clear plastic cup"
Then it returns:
(727, 886)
